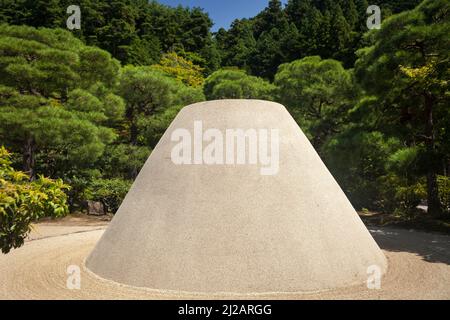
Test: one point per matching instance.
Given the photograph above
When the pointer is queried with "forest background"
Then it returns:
(81, 110)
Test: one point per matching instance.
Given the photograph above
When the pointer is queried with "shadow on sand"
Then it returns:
(431, 247)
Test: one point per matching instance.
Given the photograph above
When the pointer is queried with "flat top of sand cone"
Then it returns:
(229, 227)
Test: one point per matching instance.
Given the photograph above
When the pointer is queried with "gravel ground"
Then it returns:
(419, 268)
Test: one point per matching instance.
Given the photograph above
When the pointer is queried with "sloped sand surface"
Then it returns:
(227, 227)
(229, 232)
(419, 268)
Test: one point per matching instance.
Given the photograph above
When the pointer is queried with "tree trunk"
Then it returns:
(434, 204)
(133, 133)
(29, 151)
(130, 115)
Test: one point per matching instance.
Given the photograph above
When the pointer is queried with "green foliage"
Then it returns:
(138, 31)
(444, 189)
(149, 91)
(402, 188)
(65, 106)
(23, 202)
(319, 94)
(357, 160)
(72, 112)
(329, 29)
(135, 32)
(110, 192)
(79, 181)
(396, 6)
(375, 171)
(409, 61)
(181, 69)
(152, 128)
(236, 84)
(399, 195)
(276, 40)
(124, 160)
(55, 96)
(237, 44)
(145, 89)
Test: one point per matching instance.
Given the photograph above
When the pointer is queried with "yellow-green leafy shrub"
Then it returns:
(22, 202)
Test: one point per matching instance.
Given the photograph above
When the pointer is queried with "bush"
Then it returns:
(401, 186)
(23, 202)
(236, 84)
(110, 192)
(182, 69)
(123, 161)
(152, 128)
(400, 195)
(357, 160)
(444, 192)
(79, 181)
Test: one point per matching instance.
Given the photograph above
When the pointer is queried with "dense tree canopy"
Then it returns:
(138, 31)
(330, 29)
(53, 99)
(182, 69)
(133, 31)
(22, 202)
(74, 113)
(407, 70)
(319, 94)
(236, 84)
(148, 91)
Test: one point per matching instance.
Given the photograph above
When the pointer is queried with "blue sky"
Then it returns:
(223, 12)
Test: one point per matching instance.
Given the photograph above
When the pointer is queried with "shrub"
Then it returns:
(236, 84)
(23, 202)
(400, 195)
(444, 192)
(182, 69)
(110, 192)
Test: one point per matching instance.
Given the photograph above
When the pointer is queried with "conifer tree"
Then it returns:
(408, 73)
(49, 95)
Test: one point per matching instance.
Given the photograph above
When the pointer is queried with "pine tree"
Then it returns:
(350, 13)
(318, 93)
(237, 44)
(271, 17)
(236, 84)
(413, 66)
(148, 91)
(307, 18)
(50, 96)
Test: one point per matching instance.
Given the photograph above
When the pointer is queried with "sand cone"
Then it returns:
(231, 228)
